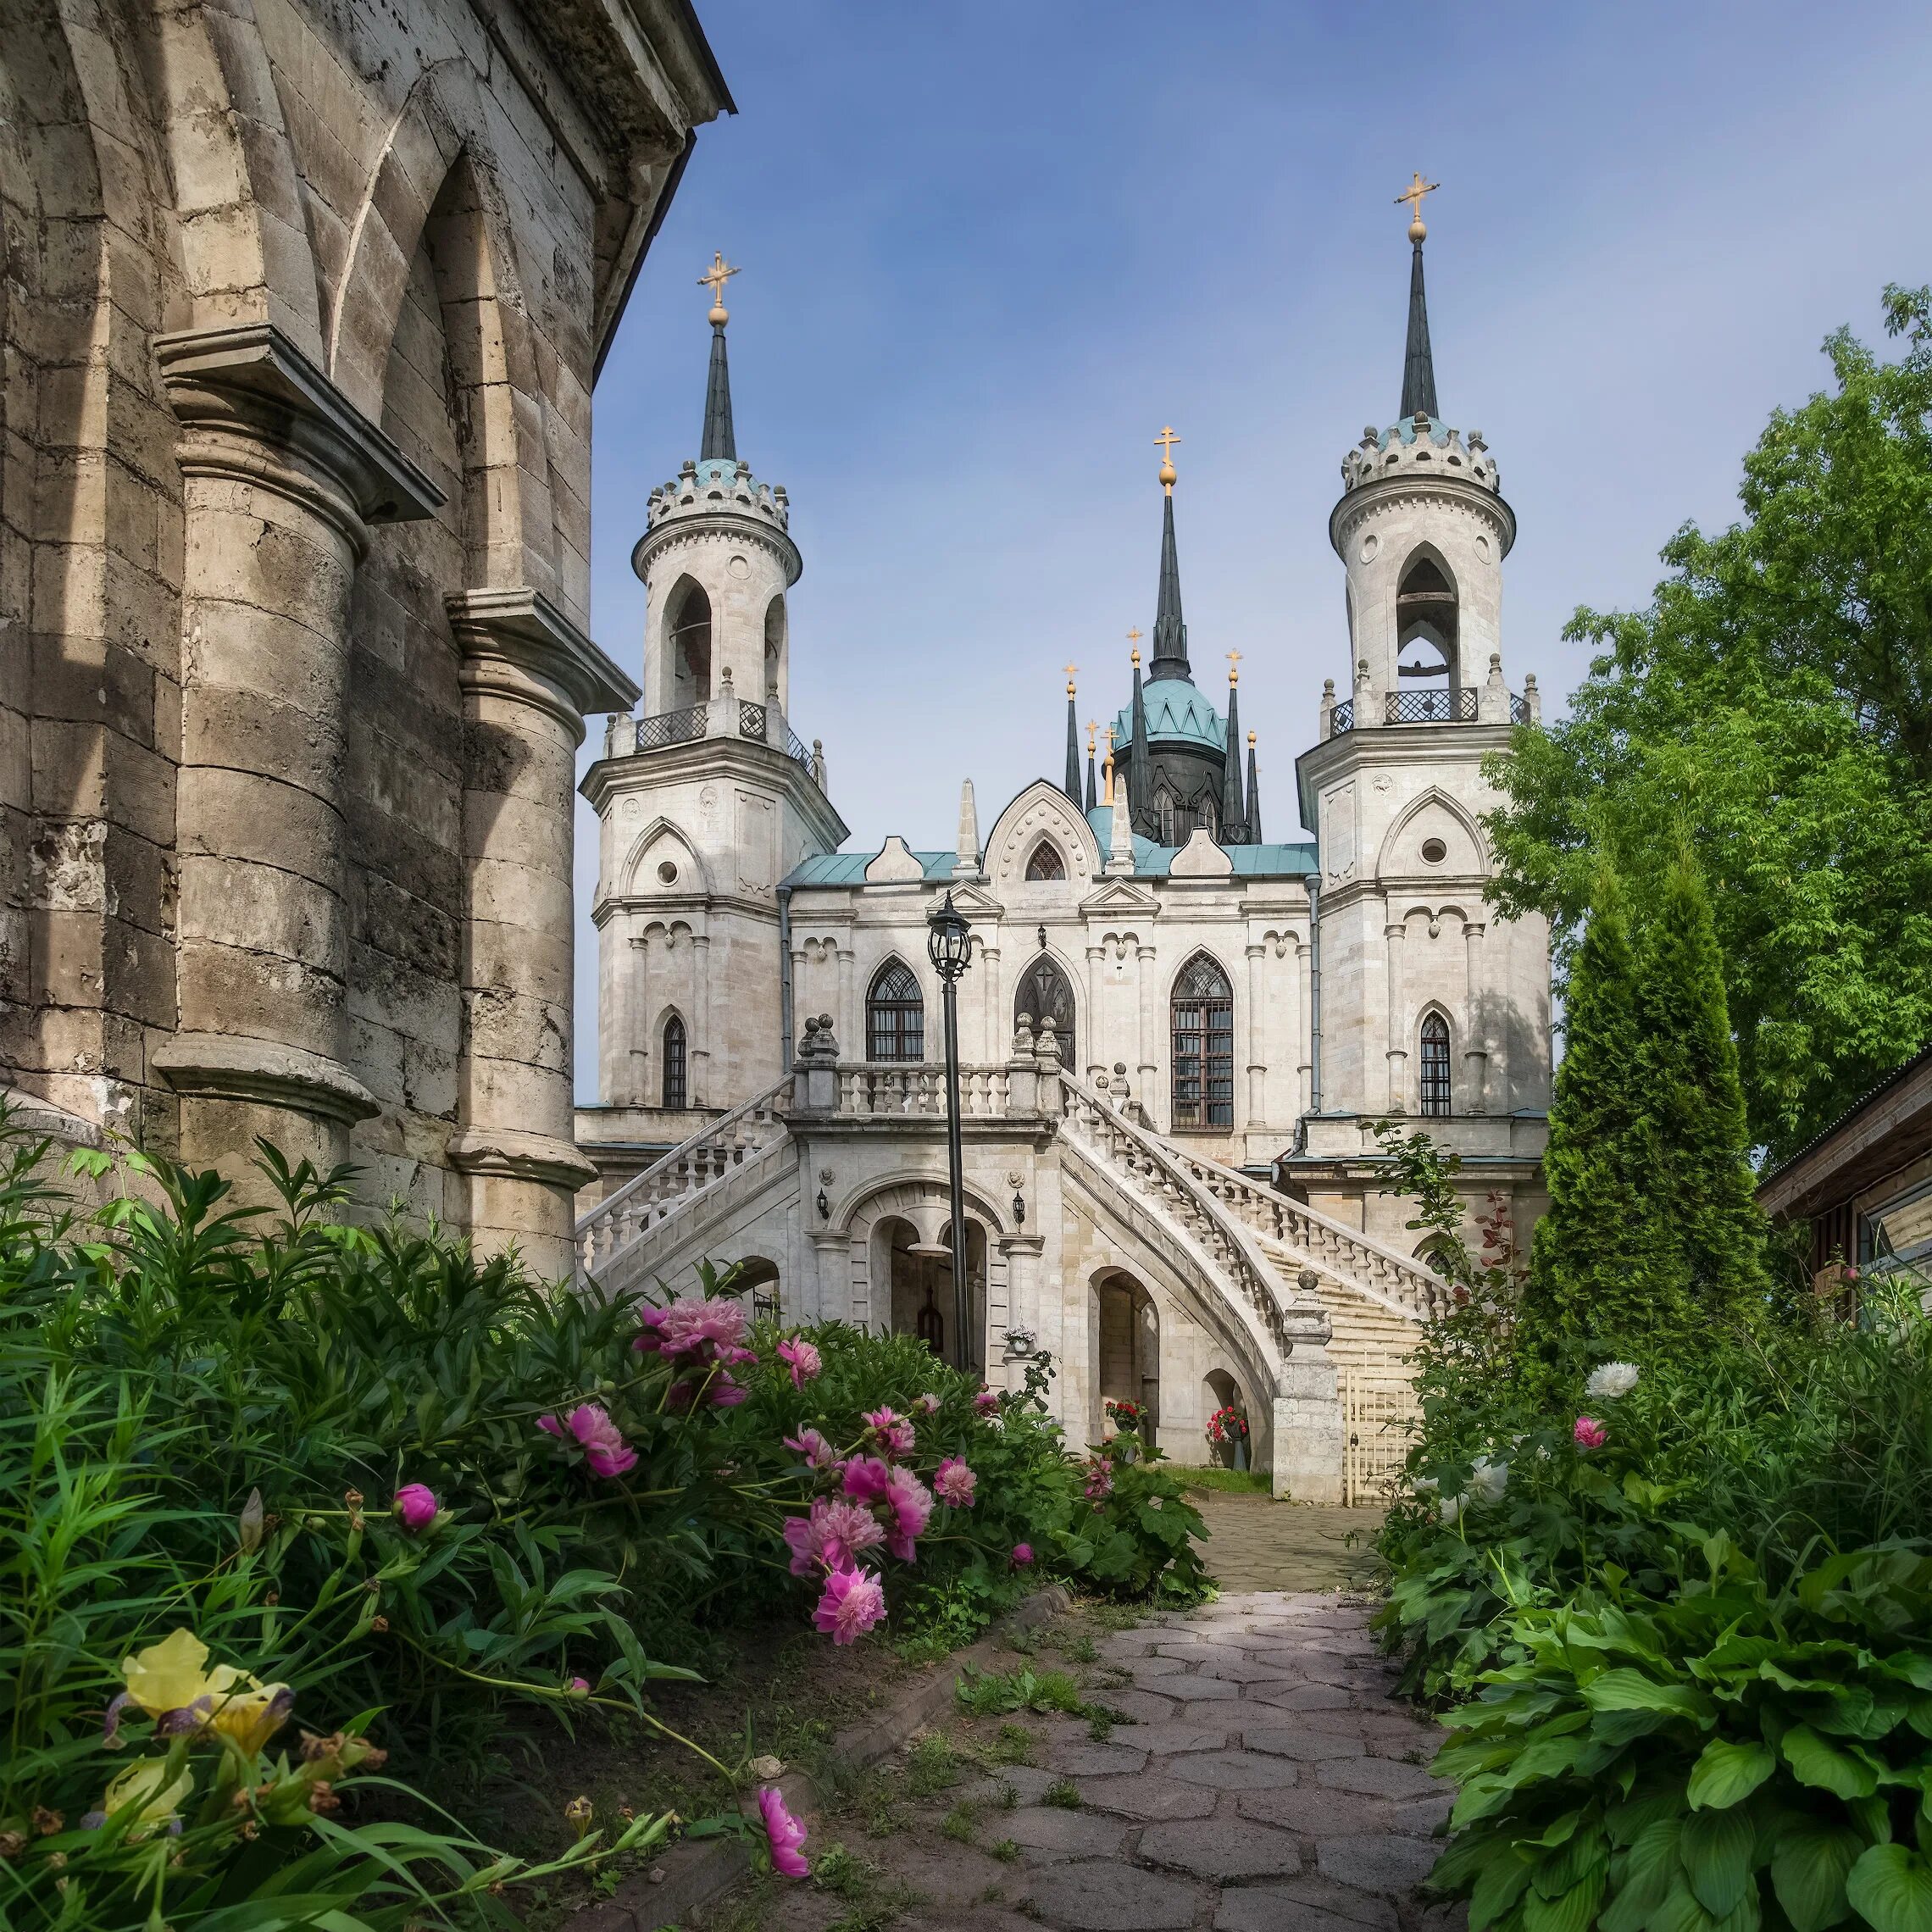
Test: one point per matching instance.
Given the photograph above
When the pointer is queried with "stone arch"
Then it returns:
(1125, 1326)
(1464, 820)
(1435, 1061)
(1039, 810)
(1427, 606)
(688, 641)
(1201, 1038)
(777, 637)
(919, 1202)
(1045, 861)
(673, 1041)
(895, 1012)
(1046, 986)
(658, 842)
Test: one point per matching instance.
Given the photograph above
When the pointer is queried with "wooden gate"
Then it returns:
(1379, 1414)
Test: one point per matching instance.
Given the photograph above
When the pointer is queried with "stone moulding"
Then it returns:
(511, 1153)
(244, 393)
(516, 644)
(232, 1067)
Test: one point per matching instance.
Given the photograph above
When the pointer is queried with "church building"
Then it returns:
(1175, 1036)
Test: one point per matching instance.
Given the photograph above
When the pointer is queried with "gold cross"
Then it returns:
(1134, 638)
(1071, 669)
(1167, 439)
(715, 280)
(1234, 667)
(1417, 189)
(1093, 725)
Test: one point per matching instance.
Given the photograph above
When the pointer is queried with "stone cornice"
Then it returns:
(252, 406)
(516, 644)
(696, 759)
(511, 1153)
(696, 523)
(236, 1067)
(1369, 499)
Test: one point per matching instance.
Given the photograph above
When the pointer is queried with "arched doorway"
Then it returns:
(919, 1295)
(1128, 1327)
(756, 1279)
(1046, 993)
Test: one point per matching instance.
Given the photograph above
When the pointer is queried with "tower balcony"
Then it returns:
(1455, 704)
(725, 716)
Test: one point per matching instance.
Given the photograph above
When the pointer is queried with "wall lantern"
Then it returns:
(1018, 1209)
(824, 1206)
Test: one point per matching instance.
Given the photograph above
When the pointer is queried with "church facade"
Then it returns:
(1175, 1035)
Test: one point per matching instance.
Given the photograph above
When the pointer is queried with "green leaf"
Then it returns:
(1572, 1913)
(1649, 1869)
(1808, 1869)
(1627, 1689)
(1814, 1761)
(1716, 1847)
(1498, 1885)
(1727, 1772)
(1890, 1889)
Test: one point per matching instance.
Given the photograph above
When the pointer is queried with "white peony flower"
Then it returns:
(1488, 1480)
(1425, 1486)
(1452, 1507)
(1612, 1379)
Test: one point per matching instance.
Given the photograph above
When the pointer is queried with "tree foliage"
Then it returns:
(1776, 699)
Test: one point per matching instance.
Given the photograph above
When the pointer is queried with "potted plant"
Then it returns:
(1228, 1430)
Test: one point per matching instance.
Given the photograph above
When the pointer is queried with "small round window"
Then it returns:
(1433, 851)
(668, 873)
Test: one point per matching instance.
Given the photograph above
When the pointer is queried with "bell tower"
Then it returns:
(706, 802)
(1431, 1006)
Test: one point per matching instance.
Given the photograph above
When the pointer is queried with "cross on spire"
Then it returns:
(714, 279)
(1070, 668)
(1414, 195)
(1167, 439)
(1234, 667)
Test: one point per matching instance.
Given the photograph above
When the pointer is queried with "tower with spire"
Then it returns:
(708, 798)
(1429, 1004)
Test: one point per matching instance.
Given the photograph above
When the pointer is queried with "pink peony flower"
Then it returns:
(415, 1506)
(1590, 1433)
(813, 1447)
(725, 1392)
(911, 1504)
(604, 1449)
(689, 1328)
(890, 1430)
(649, 1341)
(831, 1537)
(785, 1834)
(1099, 1481)
(801, 1358)
(986, 1401)
(1022, 1555)
(953, 1483)
(852, 1603)
(867, 1479)
(926, 1405)
(580, 1687)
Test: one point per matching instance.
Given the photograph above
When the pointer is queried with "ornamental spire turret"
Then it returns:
(1137, 738)
(1071, 786)
(1170, 632)
(1233, 819)
(1253, 797)
(719, 441)
(1419, 365)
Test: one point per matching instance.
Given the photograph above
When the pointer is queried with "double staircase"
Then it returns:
(1284, 1271)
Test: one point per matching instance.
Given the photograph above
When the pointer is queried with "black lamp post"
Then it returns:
(949, 946)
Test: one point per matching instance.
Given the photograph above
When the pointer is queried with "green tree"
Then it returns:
(1776, 698)
(1598, 1269)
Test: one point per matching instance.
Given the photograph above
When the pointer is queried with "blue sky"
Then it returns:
(988, 250)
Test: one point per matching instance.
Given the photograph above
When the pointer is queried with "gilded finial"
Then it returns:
(1413, 195)
(1106, 767)
(1234, 667)
(721, 273)
(1071, 669)
(1093, 726)
(1167, 439)
(1251, 741)
(1134, 638)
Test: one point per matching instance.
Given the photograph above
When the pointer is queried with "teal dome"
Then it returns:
(1175, 710)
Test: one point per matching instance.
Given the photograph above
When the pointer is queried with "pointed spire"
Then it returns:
(1419, 366)
(1137, 750)
(1170, 633)
(966, 853)
(1233, 819)
(1253, 797)
(1072, 786)
(719, 442)
(1090, 796)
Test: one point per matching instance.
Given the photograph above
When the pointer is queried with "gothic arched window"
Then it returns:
(1425, 617)
(688, 639)
(1046, 993)
(1435, 1064)
(895, 1014)
(1046, 862)
(676, 1082)
(1203, 1033)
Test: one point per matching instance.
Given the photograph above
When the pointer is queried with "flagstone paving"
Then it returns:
(1266, 1780)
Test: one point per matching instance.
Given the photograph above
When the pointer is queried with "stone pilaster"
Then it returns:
(528, 676)
(281, 479)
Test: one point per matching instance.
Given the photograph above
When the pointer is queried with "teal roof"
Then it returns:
(848, 867)
(1175, 709)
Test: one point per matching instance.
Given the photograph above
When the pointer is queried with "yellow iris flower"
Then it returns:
(148, 1784)
(172, 1675)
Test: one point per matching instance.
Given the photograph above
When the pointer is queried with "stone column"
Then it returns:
(1023, 1255)
(281, 478)
(994, 1028)
(1256, 1065)
(1149, 993)
(852, 1021)
(1396, 1101)
(1089, 1034)
(704, 1090)
(1309, 1442)
(528, 676)
(1476, 1056)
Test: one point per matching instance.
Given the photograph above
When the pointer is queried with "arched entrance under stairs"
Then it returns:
(919, 1297)
(1127, 1329)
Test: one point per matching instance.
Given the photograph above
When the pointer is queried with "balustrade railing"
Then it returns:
(1342, 718)
(1456, 705)
(624, 1217)
(672, 727)
(879, 1088)
(1518, 710)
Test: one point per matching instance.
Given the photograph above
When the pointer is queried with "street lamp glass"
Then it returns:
(949, 943)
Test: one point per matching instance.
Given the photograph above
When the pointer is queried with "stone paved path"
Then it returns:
(1265, 1781)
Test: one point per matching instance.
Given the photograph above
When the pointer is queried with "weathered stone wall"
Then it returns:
(301, 308)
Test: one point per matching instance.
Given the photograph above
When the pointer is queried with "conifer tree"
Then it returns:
(1598, 1270)
(1703, 1195)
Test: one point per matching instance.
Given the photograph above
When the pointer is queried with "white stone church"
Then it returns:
(1175, 1036)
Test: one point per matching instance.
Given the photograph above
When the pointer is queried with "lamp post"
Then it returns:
(949, 946)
